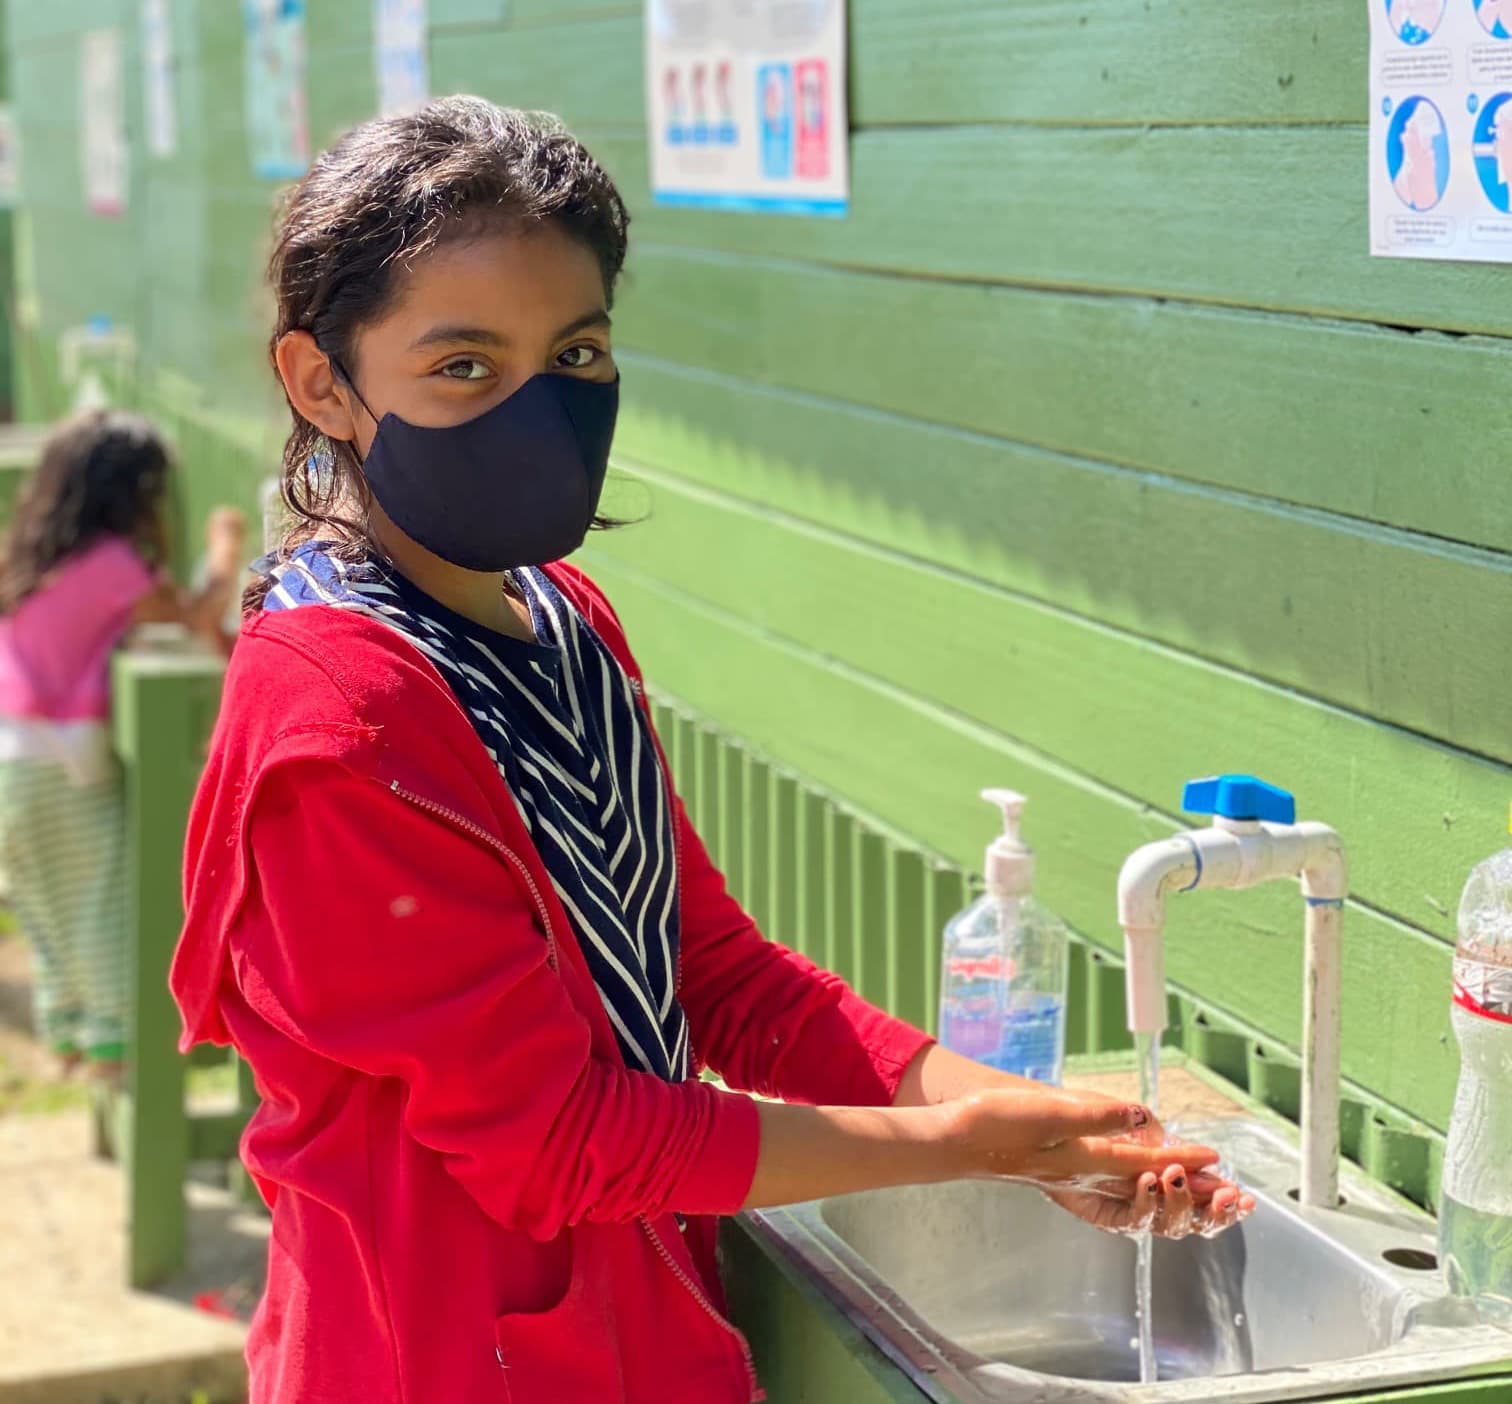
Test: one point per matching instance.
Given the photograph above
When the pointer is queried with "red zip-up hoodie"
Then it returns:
(474, 1200)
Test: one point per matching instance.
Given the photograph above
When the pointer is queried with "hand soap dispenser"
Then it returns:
(1003, 982)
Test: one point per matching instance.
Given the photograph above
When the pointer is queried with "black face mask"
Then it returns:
(518, 485)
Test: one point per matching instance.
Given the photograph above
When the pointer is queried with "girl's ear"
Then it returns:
(312, 387)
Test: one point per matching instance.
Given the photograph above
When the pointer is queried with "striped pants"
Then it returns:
(63, 850)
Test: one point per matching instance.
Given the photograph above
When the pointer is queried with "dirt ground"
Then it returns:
(70, 1330)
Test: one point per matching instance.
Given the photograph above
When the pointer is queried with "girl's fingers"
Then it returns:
(1177, 1208)
(1057, 1117)
(1128, 1160)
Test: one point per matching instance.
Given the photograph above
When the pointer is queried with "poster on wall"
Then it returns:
(1441, 129)
(10, 158)
(103, 151)
(158, 90)
(399, 52)
(278, 120)
(746, 101)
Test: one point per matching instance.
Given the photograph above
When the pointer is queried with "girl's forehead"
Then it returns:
(513, 279)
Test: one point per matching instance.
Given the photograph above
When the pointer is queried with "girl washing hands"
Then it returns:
(442, 896)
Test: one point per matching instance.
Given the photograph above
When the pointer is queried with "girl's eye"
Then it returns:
(579, 357)
(465, 369)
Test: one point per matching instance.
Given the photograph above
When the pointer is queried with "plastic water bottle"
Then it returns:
(1003, 982)
(1475, 1213)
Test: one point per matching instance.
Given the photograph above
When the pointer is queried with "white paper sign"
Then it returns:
(399, 37)
(746, 101)
(103, 150)
(158, 92)
(278, 119)
(10, 158)
(1441, 129)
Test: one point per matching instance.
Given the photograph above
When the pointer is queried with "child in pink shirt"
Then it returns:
(83, 563)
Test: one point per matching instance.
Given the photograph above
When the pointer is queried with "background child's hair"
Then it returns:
(388, 192)
(102, 473)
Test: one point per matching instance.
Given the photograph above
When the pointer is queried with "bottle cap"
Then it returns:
(1009, 867)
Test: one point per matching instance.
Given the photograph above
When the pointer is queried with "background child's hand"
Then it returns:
(226, 541)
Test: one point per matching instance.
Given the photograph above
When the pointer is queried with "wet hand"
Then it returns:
(1061, 1141)
(1172, 1204)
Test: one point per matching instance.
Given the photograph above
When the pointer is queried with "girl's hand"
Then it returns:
(1172, 1204)
(1059, 1140)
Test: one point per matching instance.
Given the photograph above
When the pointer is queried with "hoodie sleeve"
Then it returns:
(383, 940)
(769, 1020)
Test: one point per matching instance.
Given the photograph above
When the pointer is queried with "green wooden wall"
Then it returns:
(1091, 452)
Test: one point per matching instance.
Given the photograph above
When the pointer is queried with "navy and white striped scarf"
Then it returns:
(561, 720)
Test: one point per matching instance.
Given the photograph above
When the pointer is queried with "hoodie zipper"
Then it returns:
(697, 1293)
(477, 831)
(513, 859)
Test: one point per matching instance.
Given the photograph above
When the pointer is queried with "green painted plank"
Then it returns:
(913, 954)
(756, 854)
(1107, 61)
(444, 14)
(588, 72)
(918, 768)
(812, 886)
(874, 970)
(1324, 414)
(786, 860)
(840, 895)
(163, 713)
(1009, 205)
(1346, 612)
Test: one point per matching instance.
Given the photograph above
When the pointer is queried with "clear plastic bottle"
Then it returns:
(1003, 982)
(1475, 1212)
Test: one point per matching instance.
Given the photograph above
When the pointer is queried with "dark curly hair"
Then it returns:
(102, 473)
(387, 193)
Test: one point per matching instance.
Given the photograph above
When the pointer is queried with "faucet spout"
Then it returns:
(1241, 851)
(1148, 879)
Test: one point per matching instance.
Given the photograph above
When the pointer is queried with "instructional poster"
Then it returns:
(10, 158)
(399, 52)
(158, 78)
(1441, 129)
(746, 104)
(103, 151)
(278, 123)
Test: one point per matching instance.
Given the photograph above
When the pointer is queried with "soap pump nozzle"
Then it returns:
(1009, 866)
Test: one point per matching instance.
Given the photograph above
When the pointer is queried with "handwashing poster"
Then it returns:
(104, 153)
(399, 35)
(1441, 129)
(278, 122)
(10, 158)
(158, 95)
(746, 105)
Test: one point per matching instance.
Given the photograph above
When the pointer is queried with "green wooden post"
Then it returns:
(165, 707)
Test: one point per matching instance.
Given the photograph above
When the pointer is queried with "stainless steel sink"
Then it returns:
(988, 1292)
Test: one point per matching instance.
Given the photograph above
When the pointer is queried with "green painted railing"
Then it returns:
(164, 709)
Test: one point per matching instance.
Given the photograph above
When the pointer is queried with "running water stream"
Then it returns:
(1147, 1050)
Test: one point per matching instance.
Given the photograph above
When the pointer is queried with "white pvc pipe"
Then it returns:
(1325, 884)
(1239, 855)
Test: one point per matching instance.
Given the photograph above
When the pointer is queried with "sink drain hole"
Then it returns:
(1413, 1259)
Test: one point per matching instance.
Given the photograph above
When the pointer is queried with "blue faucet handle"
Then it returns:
(1240, 797)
